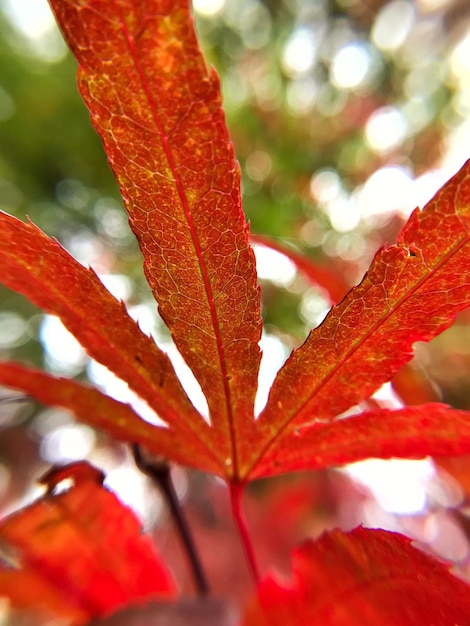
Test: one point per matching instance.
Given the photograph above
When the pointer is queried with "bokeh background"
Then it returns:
(345, 115)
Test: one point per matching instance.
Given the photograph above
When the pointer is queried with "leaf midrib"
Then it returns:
(197, 246)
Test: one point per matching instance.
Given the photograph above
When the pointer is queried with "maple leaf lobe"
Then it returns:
(159, 112)
(366, 338)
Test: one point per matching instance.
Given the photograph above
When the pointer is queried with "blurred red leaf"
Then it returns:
(158, 111)
(324, 276)
(459, 468)
(363, 578)
(79, 553)
(413, 386)
(412, 291)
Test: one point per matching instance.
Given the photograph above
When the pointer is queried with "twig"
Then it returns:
(159, 472)
(13, 399)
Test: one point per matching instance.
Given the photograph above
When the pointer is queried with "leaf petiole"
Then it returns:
(236, 499)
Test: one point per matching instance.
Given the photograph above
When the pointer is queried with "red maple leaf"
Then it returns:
(79, 553)
(158, 110)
